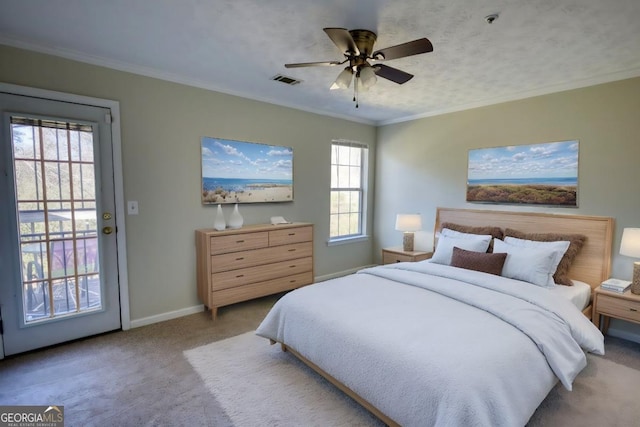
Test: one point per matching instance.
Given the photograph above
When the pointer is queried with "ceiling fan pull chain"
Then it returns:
(355, 88)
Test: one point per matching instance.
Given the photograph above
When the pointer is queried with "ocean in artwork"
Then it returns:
(242, 185)
(561, 182)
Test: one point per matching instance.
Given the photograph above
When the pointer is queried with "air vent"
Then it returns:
(286, 80)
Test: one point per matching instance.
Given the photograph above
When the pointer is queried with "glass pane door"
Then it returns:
(55, 188)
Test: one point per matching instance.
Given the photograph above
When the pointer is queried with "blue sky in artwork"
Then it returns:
(223, 158)
(547, 160)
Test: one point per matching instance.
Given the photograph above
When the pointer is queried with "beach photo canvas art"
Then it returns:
(245, 172)
(537, 174)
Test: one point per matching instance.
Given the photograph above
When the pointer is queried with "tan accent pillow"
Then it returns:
(561, 276)
(496, 232)
(478, 261)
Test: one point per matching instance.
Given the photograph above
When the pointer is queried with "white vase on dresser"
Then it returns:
(219, 222)
(235, 220)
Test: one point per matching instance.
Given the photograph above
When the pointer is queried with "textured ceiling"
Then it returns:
(237, 46)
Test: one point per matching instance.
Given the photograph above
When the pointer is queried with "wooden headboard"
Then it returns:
(593, 263)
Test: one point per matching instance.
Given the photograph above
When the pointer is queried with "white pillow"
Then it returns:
(557, 248)
(461, 235)
(528, 264)
(444, 248)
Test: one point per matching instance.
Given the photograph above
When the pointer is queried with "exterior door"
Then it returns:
(59, 278)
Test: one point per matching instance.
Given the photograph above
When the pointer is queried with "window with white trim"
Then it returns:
(348, 190)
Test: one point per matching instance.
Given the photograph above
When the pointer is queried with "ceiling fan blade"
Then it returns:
(314, 64)
(406, 49)
(342, 38)
(393, 74)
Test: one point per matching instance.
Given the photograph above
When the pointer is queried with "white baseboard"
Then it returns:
(340, 273)
(625, 335)
(136, 323)
(625, 330)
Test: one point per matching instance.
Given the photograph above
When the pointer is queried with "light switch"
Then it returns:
(132, 207)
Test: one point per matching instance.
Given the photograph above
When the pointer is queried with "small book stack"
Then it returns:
(616, 285)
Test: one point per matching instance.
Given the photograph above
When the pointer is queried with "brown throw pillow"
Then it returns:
(561, 275)
(496, 232)
(478, 261)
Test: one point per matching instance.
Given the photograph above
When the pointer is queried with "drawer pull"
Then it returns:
(398, 260)
(239, 259)
(239, 241)
(632, 309)
(292, 234)
(239, 276)
(292, 266)
(292, 250)
(292, 281)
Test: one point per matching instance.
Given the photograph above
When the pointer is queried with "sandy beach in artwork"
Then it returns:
(253, 194)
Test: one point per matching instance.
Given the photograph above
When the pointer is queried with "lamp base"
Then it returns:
(635, 283)
(407, 242)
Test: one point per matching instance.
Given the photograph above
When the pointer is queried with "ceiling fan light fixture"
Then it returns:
(367, 77)
(344, 79)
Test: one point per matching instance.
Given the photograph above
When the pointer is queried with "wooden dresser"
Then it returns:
(252, 261)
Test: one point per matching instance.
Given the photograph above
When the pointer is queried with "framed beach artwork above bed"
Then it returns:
(245, 172)
(535, 174)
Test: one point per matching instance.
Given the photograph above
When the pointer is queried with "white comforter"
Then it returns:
(429, 344)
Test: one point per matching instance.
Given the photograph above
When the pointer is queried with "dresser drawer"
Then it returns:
(233, 278)
(619, 308)
(290, 235)
(239, 242)
(259, 289)
(237, 260)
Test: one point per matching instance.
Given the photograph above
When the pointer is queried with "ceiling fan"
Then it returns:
(357, 47)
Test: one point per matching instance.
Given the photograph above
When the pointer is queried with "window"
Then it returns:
(55, 189)
(348, 195)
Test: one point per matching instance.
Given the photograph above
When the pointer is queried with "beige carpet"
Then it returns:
(604, 394)
(259, 385)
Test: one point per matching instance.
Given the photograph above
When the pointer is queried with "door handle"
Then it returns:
(107, 230)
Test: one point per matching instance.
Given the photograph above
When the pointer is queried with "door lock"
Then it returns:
(107, 230)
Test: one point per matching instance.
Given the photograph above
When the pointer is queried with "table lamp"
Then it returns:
(630, 246)
(408, 223)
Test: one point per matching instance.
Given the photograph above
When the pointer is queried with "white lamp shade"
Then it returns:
(408, 222)
(344, 79)
(630, 245)
(367, 77)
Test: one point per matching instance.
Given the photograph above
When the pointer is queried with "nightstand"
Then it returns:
(609, 304)
(397, 254)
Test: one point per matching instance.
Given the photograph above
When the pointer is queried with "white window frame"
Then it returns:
(364, 179)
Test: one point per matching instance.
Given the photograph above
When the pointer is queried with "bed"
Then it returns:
(430, 344)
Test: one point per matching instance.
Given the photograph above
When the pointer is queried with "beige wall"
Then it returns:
(161, 125)
(422, 164)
